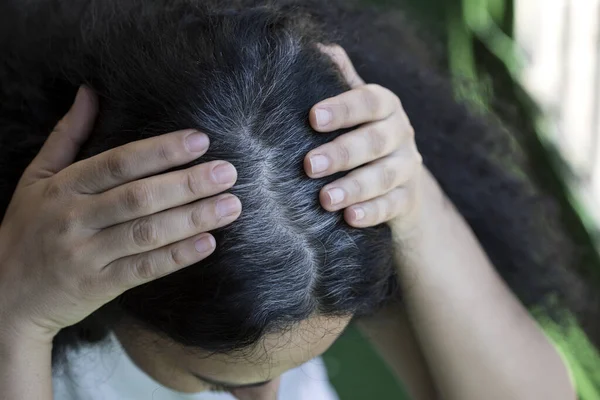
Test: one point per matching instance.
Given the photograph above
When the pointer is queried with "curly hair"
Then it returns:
(247, 73)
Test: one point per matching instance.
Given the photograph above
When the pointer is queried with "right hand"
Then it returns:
(74, 237)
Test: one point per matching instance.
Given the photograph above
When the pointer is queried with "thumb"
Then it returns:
(61, 146)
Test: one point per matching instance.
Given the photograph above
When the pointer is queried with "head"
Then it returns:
(287, 276)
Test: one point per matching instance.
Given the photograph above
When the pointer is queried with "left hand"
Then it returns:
(384, 188)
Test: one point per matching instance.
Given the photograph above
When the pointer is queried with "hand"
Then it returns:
(76, 236)
(385, 187)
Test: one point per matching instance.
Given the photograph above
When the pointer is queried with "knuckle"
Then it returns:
(357, 187)
(197, 216)
(392, 100)
(166, 152)
(377, 141)
(117, 164)
(193, 185)
(177, 256)
(371, 100)
(388, 178)
(345, 114)
(343, 154)
(55, 190)
(144, 269)
(137, 196)
(144, 233)
(67, 221)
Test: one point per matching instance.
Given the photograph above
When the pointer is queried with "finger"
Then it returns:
(158, 230)
(159, 193)
(136, 160)
(341, 59)
(366, 144)
(381, 209)
(369, 182)
(62, 145)
(358, 106)
(132, 271)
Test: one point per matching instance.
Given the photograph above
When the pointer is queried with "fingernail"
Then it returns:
(336, 196)
(324, 117)
(206, 244)
(359, 213)
(197, 142)
(228, 206)
(224, 173)
(319, 164)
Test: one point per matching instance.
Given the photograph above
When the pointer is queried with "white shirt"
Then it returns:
(105, 372)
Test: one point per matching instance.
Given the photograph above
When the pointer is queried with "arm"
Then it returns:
(58, 258)
(478, 340)
(25, 368)
(389, 331)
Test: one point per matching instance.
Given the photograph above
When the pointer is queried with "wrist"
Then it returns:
(14, 331)
(25, 366)
(428, 228)
(16, 316)
(16, 345)
(430, 208)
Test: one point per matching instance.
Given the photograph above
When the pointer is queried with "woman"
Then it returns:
(286, 278)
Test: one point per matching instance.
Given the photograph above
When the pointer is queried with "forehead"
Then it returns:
(274, 355)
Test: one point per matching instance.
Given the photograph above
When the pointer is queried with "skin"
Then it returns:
(64, 216)
(178, 367)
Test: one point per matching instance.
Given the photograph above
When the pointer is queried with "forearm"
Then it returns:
(390, 333)
(479, 341)
(25, 368)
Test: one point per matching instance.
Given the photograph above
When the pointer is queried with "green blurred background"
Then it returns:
(479, 38)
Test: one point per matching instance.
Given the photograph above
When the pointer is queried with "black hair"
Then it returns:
(247, 74)
(247, 79)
